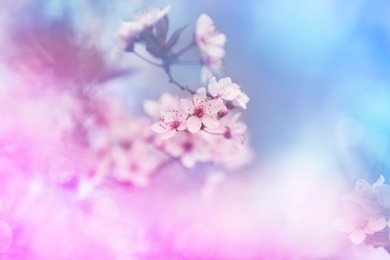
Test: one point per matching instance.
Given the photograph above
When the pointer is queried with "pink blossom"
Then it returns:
(211, 45)
(190, 148)
(130, 164)
(224, 88)
(230, 129)
(172, 120)
(355, 222)
(201, 111)
(366, 211)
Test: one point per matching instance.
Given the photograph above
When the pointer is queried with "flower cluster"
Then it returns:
(367, 214)
(214, 137)
(93, 139)
(204, 127)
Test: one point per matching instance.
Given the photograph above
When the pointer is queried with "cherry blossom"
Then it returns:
(230, 129)
(201, 111)
(189, 147)
(355, 222)
(128, 31)
(367, 212)
(172, 120)
(211, 45)
(224, 88)
(129, 164)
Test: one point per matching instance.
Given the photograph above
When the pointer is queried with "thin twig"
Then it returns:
(147, 60)
(187, 62)
(172, 80)
(212, 133)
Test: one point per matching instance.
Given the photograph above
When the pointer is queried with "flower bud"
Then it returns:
(223, 112)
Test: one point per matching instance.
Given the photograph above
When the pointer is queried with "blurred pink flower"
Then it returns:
(134, 164)
(202, 111)
(231, 129)
(355, 222)
(366, 212)
(211, 45)
(128, 31)
(190, 148)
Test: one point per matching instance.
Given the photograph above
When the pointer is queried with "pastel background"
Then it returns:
(317, 74)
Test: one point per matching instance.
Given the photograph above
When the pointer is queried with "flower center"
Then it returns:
(175, 124)
(198, 112)
(228, 133)
(187, 147)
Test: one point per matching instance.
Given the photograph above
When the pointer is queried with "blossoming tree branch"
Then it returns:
(201, 127)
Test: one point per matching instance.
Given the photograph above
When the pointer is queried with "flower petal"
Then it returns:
(187, 106)
(182, 126)
(166, 112)
(214, 106)
(213, 87)
(210, 121)
(168, 134)
(194, 124)
(379, 182)
(231, 94)
(160, 127)
(241, 100)
(357, 236)
(200, 97)
(377, 222)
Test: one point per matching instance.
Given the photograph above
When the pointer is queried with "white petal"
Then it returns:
(160, 127)
(213, 87)
(377, 222)
(231, 94)
(200, 96)
(225, 81)
(214, 106)
(239, 128)
(182, 114)
(194, 124)
(182, 126)
(168, 134)
(187, 106)
(188, 161)
(369, 206)
(166, 112)
(357, 236)
(379, 182)
(210, 121)
(242, 99)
